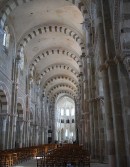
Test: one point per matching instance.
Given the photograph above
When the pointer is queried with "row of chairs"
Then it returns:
(66, 154)
(11, 157)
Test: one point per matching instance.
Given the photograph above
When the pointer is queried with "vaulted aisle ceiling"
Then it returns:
(50, 34)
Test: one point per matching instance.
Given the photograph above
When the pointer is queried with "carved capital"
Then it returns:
(96, 99)
(110, 62)
(118, 59)
(3, 117)
(127, 63)
(90, 51)
(102, 67)
(87, 24)
(83, 55)
(85, 80)
(18, 58)
(81, 74)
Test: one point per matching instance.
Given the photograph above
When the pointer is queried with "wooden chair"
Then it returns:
(6, 160)
(40, 162)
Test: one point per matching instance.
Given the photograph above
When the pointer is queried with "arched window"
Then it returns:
(72, 112)
(6, 37)
(67, 112)
(72, 120)
(62, 121)
(66, 133)
(62, 111)
(72, 134)
(67, 121)
(21, 63)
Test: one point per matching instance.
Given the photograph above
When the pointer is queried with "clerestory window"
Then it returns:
(72, 120)
(62, 111)
(62, 121)
(67, 112)
(72, 112)
(21, 63)
(6, 38)
(67, 121)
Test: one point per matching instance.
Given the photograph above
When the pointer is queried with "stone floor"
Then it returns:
(32, 163)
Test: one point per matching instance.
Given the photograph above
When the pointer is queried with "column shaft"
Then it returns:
(114, 88)
(107, 98)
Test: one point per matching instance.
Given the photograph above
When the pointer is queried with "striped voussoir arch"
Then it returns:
(55, 51)
(61, 96)
(54, 78)
(10, 6)
(61, 86)
(34, 32)
(60, 81)
(62, 89)
(56, 67)
(53, 97)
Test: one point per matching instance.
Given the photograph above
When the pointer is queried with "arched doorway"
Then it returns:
(19, 127)
(3, 121)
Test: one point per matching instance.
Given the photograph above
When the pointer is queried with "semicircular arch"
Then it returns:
(11, 5)
(55, 87)
(65, 77)
(65, 92)
(62, 89)
(60, 81)
(52, 52)
(42, 29)
(58, 67)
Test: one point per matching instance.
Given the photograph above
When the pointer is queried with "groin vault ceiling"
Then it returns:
(50, 34)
